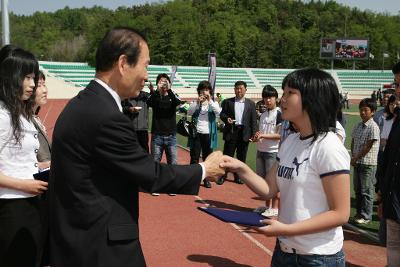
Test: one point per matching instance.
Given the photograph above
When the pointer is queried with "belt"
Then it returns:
(290, 250)
(239, 126)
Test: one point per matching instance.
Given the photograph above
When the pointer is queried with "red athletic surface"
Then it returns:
(174, 233)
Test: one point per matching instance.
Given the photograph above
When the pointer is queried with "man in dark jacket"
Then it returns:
(98, 165)
(240, 118)
(164, 104)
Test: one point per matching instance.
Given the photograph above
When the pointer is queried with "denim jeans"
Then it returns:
(281, 258)
(364, 180)
(264, 162)
(393, 243)
(159, 143)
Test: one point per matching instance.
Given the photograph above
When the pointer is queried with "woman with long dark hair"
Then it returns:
(20, 223)
(312, 174)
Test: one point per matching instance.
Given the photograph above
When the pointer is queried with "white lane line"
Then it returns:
(252, 239)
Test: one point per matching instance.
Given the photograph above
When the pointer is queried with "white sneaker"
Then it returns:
(172, 194)
(260, 209)
(270, 213)
(155, 194)
(362, 221)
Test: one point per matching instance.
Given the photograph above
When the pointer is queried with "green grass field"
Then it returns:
(352, 120)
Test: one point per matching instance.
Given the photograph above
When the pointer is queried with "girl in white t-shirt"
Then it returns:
(267, 139)
(21, 240)
(311, 174)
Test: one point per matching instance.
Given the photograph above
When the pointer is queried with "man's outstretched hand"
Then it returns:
(213, 170)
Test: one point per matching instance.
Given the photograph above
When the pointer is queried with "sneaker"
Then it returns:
(221, 180)
(155, 194)
(260, 209)
(361, 221)
(172, 194)
(270, 213)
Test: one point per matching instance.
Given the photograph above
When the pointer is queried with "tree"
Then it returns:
(243, 33)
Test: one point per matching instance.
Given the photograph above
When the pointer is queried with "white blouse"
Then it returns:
(202, 121)
(17, 160)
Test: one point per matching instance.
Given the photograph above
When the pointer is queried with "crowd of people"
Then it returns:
(100, 158)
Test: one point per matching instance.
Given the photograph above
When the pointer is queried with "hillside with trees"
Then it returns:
(243, 33)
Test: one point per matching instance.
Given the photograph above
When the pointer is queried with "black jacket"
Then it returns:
(164, 112)
(389, 175)
(97, 168)
(249, 118)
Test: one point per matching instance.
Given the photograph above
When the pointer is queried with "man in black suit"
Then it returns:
(240, 118)
(98, 164)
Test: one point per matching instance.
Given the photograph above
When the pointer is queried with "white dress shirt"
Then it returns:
(239, 109)
(112, 93)
(17, 160)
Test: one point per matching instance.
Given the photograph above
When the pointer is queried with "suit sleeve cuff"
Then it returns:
(203, 170)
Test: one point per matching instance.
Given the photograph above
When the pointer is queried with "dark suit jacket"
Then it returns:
(97, 168)
(249, 119)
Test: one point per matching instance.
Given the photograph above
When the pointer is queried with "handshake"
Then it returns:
(216, 164)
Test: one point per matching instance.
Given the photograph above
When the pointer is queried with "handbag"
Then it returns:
(186, 128)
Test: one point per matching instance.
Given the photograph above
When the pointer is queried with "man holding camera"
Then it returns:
(164, 103)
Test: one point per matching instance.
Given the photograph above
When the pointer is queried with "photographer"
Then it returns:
(164, 103)
(204, 113)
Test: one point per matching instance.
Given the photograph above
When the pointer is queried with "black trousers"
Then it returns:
(236, 144)
(143, 138)
(21, 238)
(200, 144)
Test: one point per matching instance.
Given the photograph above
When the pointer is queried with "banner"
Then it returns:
(212, 71)
(173, 72)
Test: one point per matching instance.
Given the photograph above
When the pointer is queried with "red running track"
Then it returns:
(174, 233)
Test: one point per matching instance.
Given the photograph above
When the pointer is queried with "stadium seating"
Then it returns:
(272, 77)
(357, 83)
(360, 81)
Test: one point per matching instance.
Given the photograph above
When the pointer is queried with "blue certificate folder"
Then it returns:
(43, 175)
(235, 216)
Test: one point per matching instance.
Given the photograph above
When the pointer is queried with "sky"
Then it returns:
(28, 7)
(382, 6)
